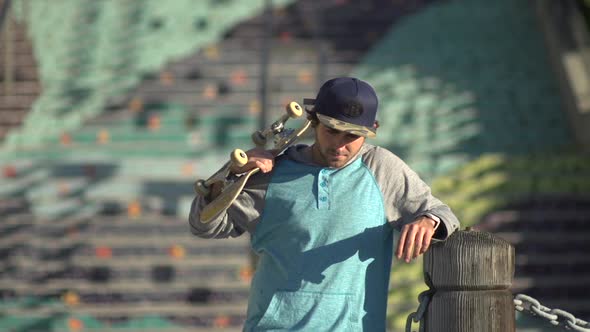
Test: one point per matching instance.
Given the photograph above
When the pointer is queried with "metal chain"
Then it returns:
(522, 303)
(525, 303)
(418, 315)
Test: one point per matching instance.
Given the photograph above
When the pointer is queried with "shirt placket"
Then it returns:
(324, 187)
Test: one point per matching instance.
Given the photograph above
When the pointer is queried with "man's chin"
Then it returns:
(337, 163)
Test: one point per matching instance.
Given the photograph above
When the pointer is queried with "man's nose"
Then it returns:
(341, 144)
(342, 141)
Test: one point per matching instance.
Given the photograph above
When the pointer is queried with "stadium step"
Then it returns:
(550, 235)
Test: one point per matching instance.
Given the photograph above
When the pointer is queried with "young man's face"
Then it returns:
(334, 148)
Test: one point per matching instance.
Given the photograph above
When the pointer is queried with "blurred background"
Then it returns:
(111, 109)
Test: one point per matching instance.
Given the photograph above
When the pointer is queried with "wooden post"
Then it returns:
(471, 273)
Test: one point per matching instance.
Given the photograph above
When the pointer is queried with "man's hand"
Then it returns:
(415, 238)
(263, 159)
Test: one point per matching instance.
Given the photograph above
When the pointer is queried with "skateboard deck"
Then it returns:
(226, 198)
(232, 186)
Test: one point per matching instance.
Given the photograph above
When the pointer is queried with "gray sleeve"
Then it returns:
(405, 195)
(242, 216)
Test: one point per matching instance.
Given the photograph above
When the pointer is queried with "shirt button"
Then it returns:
(324, 184)
(323, 199)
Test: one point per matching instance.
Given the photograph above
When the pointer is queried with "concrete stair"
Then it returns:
(19, 86)
(550, 235)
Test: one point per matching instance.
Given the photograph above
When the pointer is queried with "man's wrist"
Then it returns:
(435, 220)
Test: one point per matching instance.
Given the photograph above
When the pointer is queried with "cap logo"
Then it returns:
(352, 109)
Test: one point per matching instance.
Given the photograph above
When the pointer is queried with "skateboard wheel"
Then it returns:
(238, 157)
(201, 189)
(258, 139)
(294, 110)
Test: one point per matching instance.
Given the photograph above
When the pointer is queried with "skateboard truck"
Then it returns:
(260, 137)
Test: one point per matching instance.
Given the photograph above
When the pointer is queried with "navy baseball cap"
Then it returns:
(347, 104)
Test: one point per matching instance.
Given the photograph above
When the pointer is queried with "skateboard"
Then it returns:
(232, 185)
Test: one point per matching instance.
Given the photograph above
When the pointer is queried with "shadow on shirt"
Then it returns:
(357, 264)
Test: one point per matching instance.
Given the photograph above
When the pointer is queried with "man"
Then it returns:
(322, 217)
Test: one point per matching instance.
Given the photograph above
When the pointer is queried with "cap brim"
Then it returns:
(346, 127)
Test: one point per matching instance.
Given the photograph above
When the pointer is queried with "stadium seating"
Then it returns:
(550, 237)
(447, 100)
(20, 86)
(100, 154)
(90, 52)
(141, 98)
